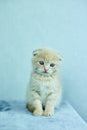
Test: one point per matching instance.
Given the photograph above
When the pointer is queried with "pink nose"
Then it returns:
(45, 69)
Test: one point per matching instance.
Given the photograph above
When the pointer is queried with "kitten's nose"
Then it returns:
(46, 69)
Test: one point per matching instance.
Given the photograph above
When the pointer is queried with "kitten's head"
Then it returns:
(46, 61)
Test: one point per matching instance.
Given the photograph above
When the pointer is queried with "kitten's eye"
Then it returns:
(52, 64)
(41, 62)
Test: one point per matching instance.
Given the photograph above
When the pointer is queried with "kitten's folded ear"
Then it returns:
(60, 57)
(36, 52)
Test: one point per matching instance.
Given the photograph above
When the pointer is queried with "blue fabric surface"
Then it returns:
(14, 116)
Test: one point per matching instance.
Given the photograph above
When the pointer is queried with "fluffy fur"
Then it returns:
(44, 90)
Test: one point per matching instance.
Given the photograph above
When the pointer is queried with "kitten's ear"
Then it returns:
(36, 52)
(60, 57)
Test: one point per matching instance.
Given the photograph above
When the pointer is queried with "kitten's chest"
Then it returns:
(45, 88)
(45, 85)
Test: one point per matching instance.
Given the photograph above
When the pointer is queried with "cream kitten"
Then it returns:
(44, 91)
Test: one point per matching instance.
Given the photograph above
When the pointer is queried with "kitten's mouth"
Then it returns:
(45, 73)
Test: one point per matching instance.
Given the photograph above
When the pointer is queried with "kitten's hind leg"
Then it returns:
(36, 108)
(30, 107)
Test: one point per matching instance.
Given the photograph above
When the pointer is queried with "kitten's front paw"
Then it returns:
(48, 113)
(38, 112)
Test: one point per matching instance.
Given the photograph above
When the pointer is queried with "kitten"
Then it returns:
(44, 91)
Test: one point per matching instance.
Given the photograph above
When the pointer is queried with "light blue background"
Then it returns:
(29, 24)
